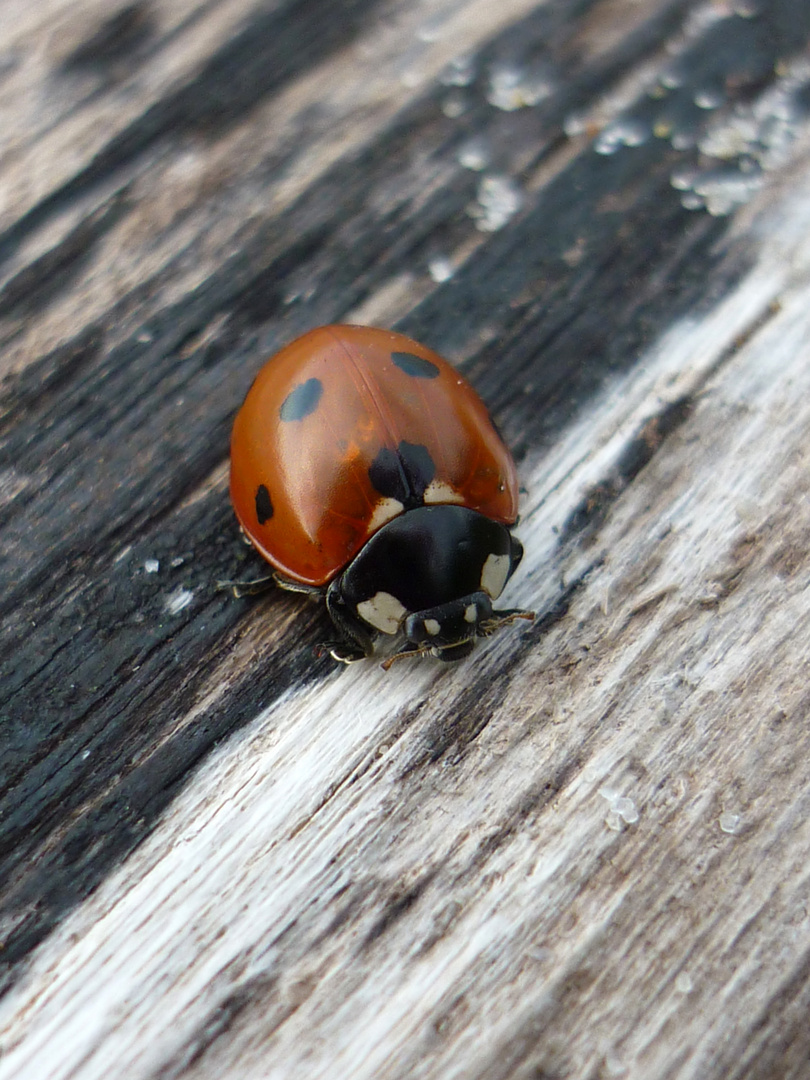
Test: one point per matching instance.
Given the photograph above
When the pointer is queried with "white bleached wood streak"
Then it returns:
(612, 877)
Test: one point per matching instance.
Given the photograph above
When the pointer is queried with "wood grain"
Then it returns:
(582, 853)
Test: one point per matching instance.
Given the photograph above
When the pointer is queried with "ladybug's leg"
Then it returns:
(271, 581)
(503, 618)
(248, 588)
(298, 586)
(409, 652)
(355, 641)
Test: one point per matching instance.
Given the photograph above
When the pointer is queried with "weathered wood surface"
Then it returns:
(582, 853)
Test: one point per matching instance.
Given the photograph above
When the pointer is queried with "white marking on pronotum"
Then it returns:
(385, 510)
(438, 491)
(383, 611)
(494, 574)
(471, 612)
(433, 627)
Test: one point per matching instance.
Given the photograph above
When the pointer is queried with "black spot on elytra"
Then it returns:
(302, 401)
(264, 505)
(403, 474)
(414, 365)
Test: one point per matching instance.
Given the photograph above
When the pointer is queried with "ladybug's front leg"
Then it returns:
(355, 641)
(257, 586)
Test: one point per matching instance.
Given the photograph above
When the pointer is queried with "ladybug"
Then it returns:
(367, 471)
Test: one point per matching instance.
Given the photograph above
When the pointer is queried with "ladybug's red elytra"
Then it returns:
(364, 468)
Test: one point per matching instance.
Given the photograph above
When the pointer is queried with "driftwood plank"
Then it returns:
(582, 853)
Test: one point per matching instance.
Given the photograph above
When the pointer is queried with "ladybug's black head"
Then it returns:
(450, 629)
(431, 575)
